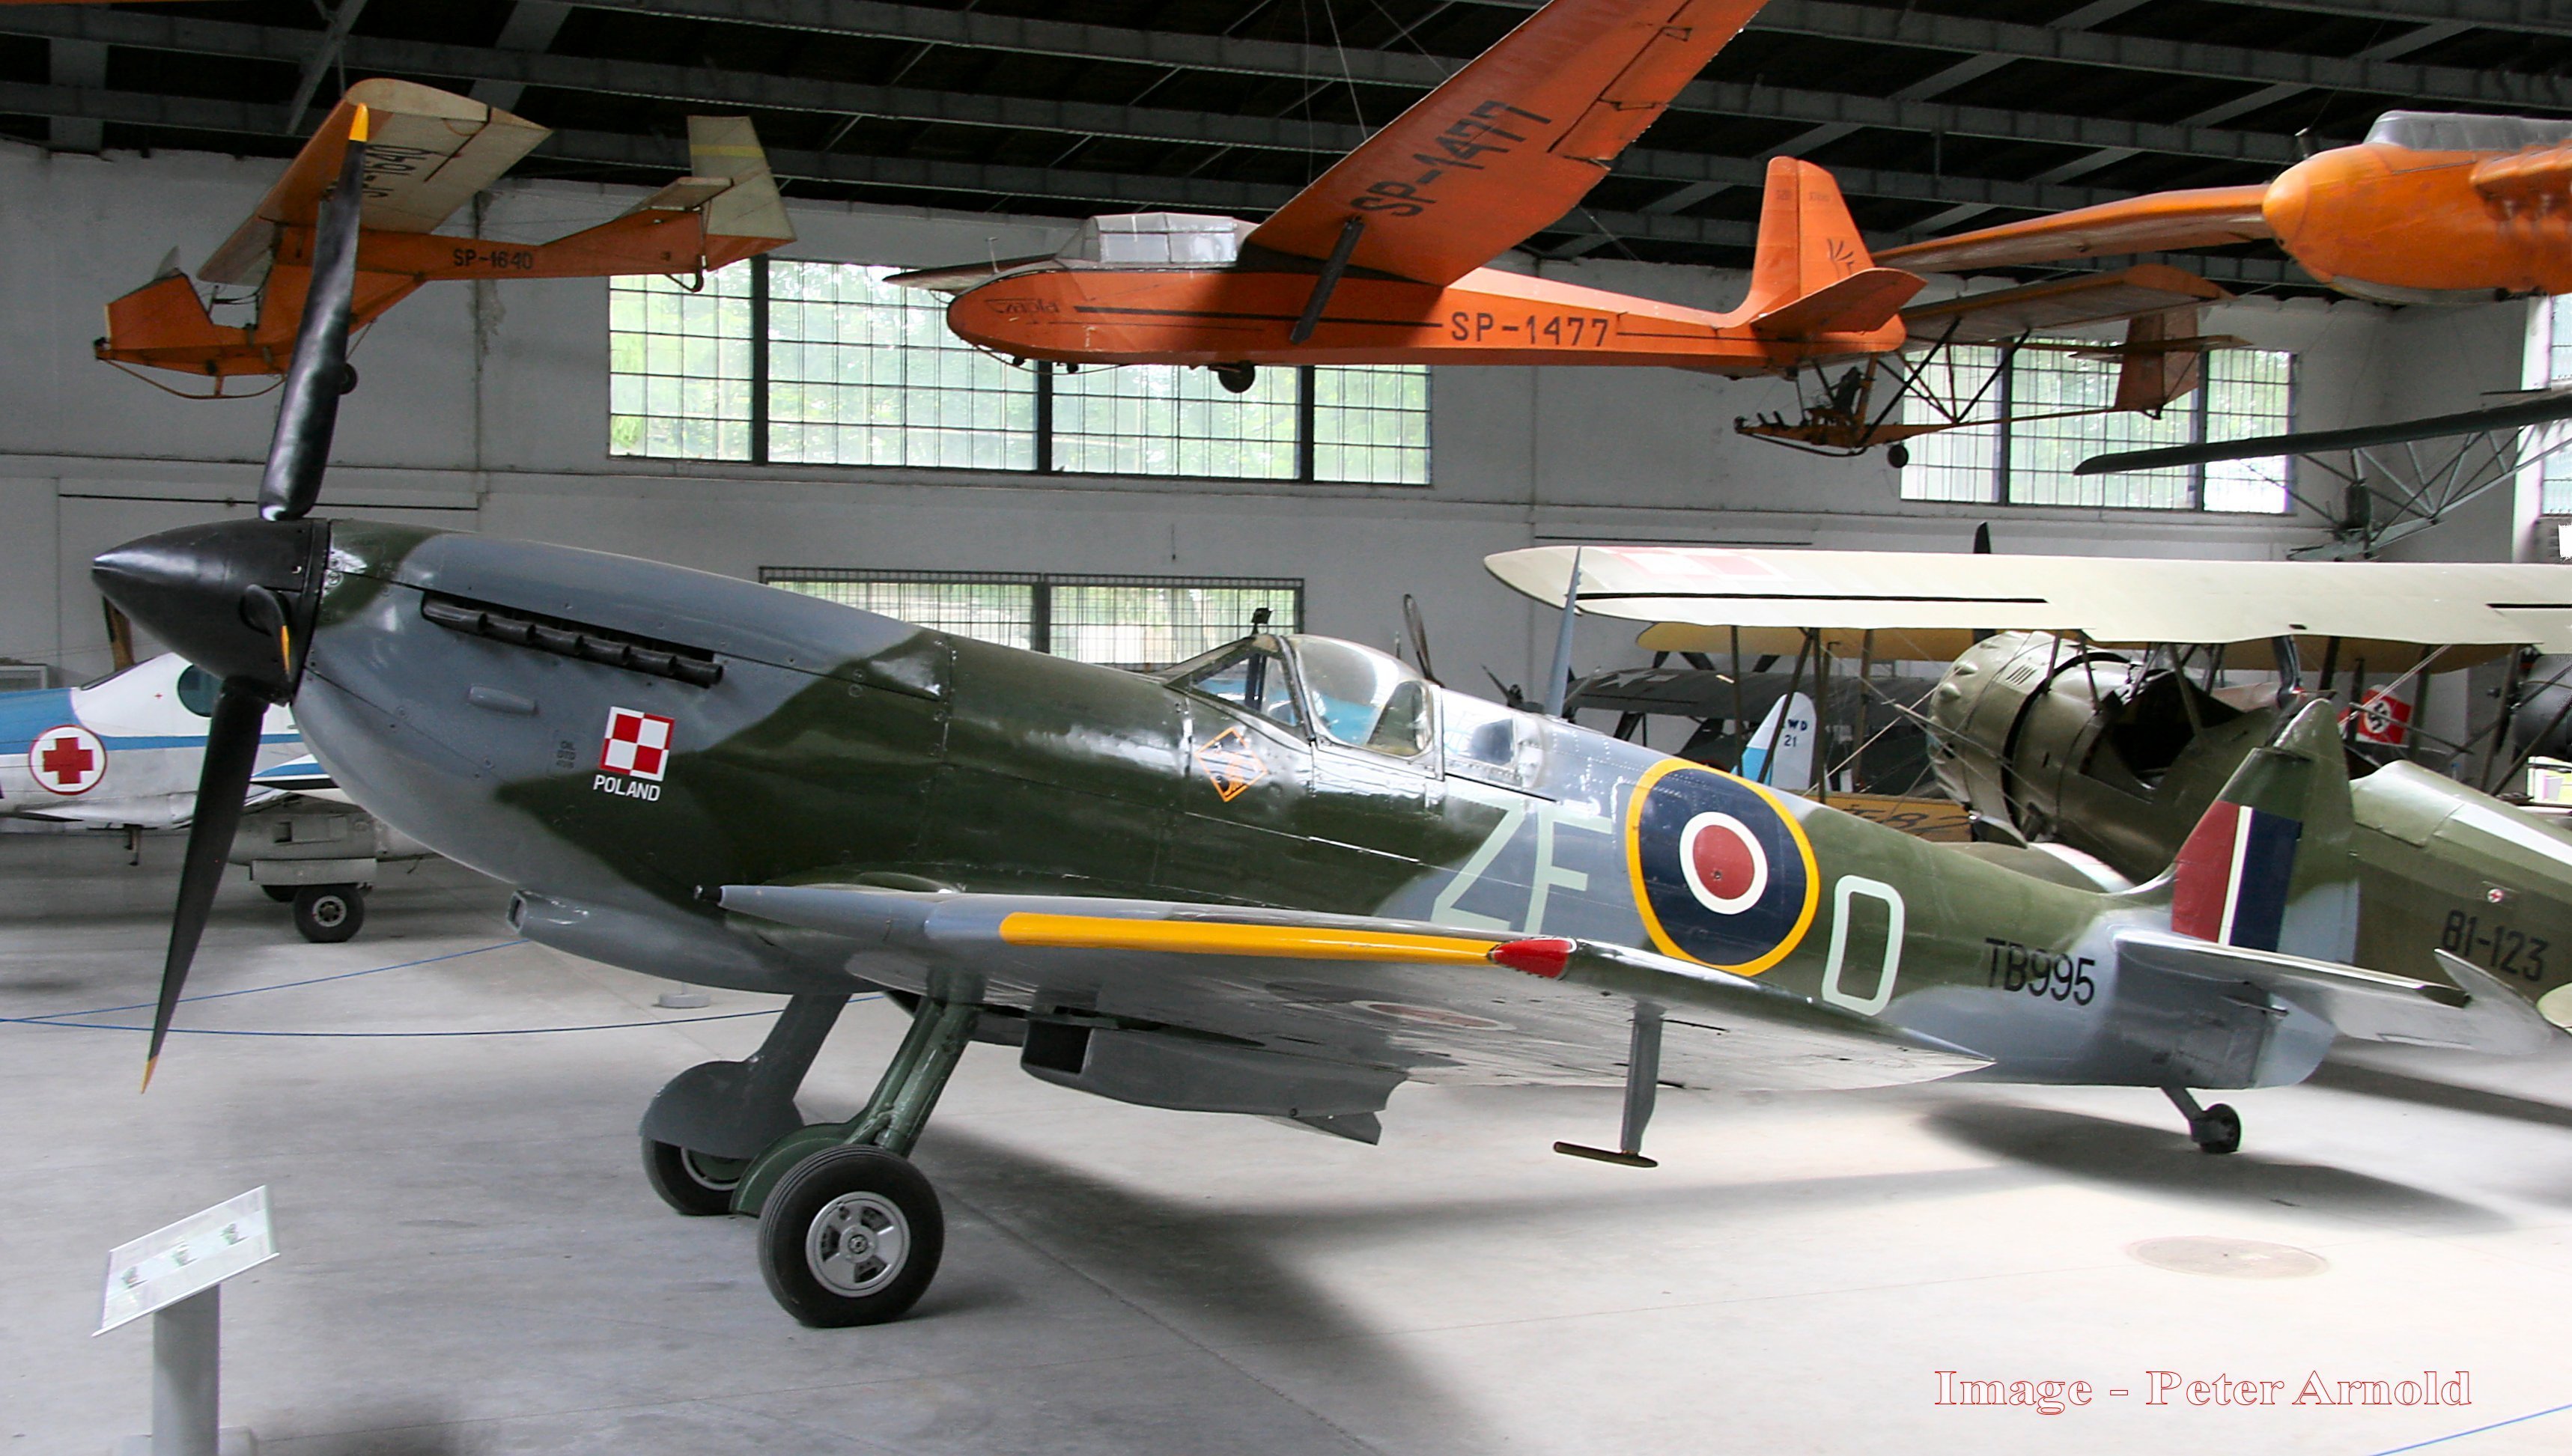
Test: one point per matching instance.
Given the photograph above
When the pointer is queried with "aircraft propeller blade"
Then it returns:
(239, 597)
(309, 409)
(231, 752)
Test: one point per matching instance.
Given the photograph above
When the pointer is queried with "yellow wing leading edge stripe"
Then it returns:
(1226, 937)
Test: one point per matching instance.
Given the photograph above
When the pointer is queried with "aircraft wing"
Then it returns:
(427, 153)
(2476, 1014)
(2157, 223)
(2545, 407)
(1508, 144)
(2117, 599)
(2059, 306)
(1435, 1002)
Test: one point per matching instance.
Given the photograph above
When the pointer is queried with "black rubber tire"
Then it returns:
(1236, 379)
(329, 914)
(692, 1183)
(2220, 1131)
(786, 1228)
(1897, 455)
(281, 894)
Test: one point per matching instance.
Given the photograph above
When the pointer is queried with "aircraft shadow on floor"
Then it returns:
(2397, 1086)
(2153, 1159)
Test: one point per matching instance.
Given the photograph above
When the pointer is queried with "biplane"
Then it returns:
(2095, 709)
(433, 151)
(2429, 208)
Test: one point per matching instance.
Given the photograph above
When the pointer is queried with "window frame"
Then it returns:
(1042, 635)
(1050, 450)
(2001, 473)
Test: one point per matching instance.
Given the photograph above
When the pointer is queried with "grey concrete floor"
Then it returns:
(473, 1262)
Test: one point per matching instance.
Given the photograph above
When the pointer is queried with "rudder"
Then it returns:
(1812, 272)
(2269, 866)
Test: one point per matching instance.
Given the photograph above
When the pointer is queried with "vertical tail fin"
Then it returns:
(2268, 866)
(728, 148)
(1812, 273)
(2152, 374)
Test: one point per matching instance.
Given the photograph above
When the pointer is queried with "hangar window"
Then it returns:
(2549, 440)
(2044, 387)
(678, 369)
(855, 370)
(1139, 622)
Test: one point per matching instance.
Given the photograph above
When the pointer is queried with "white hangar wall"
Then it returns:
(483, 408)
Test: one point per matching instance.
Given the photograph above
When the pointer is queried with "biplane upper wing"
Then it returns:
(1431, 1002)
(2199, 218)
(2059, 306)
(1508, 144)
(2109, 599)
(427, 153)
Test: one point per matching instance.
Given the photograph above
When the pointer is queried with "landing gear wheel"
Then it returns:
(1236, 379)
(692, 1183)
(329, 914)
(1897, 455)
(281, 894)
(851, 1236)
(2218, 1132)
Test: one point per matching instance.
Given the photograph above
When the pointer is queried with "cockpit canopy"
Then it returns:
(1148, 240)
(1349, 695)
(2431, 131)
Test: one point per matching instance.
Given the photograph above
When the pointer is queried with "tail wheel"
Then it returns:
(689, 1181)
(329, 914)
(852, 1237)
(1236, 379)
(2220, 1131)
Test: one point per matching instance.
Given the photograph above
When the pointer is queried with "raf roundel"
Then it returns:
(1723, 874)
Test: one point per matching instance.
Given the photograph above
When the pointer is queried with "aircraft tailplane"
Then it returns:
(1812, 273)
(2268, 867)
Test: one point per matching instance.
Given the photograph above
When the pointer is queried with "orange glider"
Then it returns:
(2429, 208)
(430, 153)
(1380, 260)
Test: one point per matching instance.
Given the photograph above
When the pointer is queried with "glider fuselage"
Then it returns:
(1231, 315)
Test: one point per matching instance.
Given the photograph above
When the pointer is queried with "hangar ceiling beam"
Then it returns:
(1832, 19)
(1265, 58)
(976, 30)
(2537, 17)
(980, 180)
(756, 91)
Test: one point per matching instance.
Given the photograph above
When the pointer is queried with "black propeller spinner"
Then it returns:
(238, 598)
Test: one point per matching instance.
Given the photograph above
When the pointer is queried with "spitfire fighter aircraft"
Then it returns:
(2052, 735)
(2429, 208)
(1282, 878)
(433, 151)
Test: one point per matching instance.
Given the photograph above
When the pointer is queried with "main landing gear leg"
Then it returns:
(712, 1119)
(850, 1232)
(2217, 1129)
